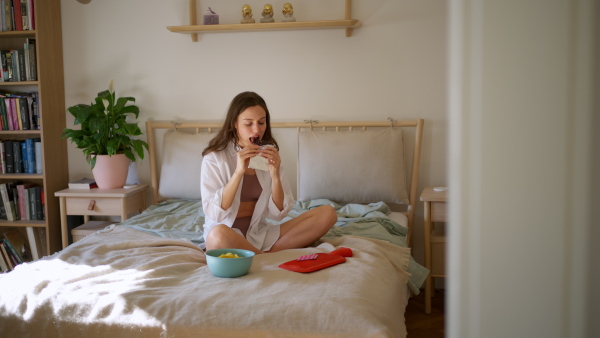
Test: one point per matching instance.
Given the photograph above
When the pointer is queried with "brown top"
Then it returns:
(251, 191)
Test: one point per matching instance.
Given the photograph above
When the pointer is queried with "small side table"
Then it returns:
(99, 202)
(435, 240)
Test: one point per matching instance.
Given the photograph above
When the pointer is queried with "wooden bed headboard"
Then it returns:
(153, 127)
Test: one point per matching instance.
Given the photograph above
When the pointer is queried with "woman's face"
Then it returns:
(251, 124)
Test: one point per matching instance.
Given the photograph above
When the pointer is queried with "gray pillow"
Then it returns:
(180, 168)
(352, 166)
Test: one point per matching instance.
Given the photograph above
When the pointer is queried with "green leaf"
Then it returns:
(92, 162)
(121, 102)
(139, 146)
(129, 154)
(131, 110)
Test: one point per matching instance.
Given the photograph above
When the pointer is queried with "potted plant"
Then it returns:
(106, 137)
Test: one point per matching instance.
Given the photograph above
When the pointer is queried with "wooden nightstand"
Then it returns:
(99, 202)
(435, 240)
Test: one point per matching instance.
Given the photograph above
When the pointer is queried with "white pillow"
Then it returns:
(182, 159)
(352, 167)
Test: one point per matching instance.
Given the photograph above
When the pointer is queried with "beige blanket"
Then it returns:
(125, 283)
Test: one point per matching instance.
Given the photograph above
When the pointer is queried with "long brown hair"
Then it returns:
(228, 132)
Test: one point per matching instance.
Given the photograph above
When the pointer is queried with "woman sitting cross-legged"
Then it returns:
(236, 199)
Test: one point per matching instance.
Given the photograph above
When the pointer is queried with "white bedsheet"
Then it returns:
(125, 283)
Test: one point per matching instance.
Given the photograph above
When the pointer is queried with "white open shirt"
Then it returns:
(217, 169)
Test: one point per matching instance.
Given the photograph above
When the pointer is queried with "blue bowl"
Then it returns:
(229, 267)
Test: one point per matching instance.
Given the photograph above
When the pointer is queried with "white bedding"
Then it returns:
(122, 282)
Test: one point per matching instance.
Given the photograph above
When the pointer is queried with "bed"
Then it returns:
(147, 276)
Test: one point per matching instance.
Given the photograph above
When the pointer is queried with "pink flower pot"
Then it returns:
(110, 172)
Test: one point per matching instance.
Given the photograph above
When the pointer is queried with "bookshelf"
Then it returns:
(348, 24)
(51, 106)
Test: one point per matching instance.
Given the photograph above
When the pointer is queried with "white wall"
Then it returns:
(521, 107)
(393, 66)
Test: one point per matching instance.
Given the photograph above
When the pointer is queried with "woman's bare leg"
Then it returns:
(223, 237)
(303, 230)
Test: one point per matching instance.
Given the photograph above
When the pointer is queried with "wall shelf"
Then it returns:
(299, 25)
(193, 28)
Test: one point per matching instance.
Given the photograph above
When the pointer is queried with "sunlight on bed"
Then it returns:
(96, 293)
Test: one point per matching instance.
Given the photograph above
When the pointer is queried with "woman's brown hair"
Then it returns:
(228, 133)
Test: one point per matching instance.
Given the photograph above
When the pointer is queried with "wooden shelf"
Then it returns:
(298, 25)
(194, 29)
(18, 83)
(22, 132)
(20, 34)
(21, 176)
(28, 223)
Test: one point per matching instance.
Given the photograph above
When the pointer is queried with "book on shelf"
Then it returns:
(12, 255)
(38, 155)
(84, 183)
(6, 257)
(19, 244)
(23, 113)
(8, 17)
(3, 262)
(9, 204)
(23, 200)
(32, 205)
(17, 157)
(2, 159)
(36, 202)
(8, 153)
(30, 47)
(9, 65)
(20, 53)
(23, 150)
(9, 116)
(3, 214)
(30, 158)
(3, 115)
(4, 66)
(13, 114)
(17, 15)
(27, 202)
(40, 202)
(34, 243)
(15, 199)
(16, 258)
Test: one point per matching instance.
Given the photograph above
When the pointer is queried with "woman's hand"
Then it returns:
(272, 156)
(243, 157)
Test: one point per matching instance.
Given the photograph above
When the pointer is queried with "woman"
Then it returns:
(236, 199)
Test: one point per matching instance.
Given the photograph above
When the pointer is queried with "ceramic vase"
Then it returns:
(110, 172)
